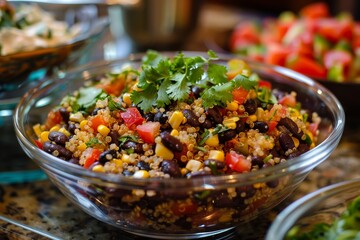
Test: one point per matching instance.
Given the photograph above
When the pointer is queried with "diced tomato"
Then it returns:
(313, 127)
(97, 121)
(245, 34)
(38, 144)
(132, 117)
(334, 57)
(240, 95)
(53, 118)
(148, 131)
(288, 100)
(92, 157)
(115, 87)
(237, 162)
(306, 66)
(180, 208)
(333, 29)
(265, 84)
(315, 10)
(277, 54)
(272, 125)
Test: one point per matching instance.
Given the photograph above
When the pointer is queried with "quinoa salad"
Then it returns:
(180, 117)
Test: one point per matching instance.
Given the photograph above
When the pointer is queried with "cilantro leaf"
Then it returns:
(217, 73)
(245, 82)
(218, 95)
(145, 99)
(92, 142)
(113, 105)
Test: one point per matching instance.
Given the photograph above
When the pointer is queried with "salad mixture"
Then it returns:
(180, 117)
(347, 226)
(28, 27)
(313, 42)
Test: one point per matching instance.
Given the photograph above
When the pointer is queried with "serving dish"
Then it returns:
(20, 71)
(323, 206)
(105, 196)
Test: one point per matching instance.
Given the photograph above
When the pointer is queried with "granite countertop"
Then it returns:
(41, 208)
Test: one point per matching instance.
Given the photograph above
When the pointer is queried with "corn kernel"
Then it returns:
(217, 155)
(174, 133)
(193, 165)
(83, 123)
(141, 174)
(64, 131)
(213, 140)
(117, 162)
(184, 171)
(162, 151)
(44, 136)
(252, 118)
(81, 147)
(76, 117)
(55, 128)
(125, 158)
(126, 99)
(176, 119)
(296, 141)
(231, 122)
(37, 129)
(232, 106)
(98, 168)
(103, 130)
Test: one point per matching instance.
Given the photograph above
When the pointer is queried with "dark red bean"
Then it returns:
(292, 127)
(170, 167)
(58, 137)
(171, 142)
(114, 137)
(286, 142)
(261, 126)
(227, 135)
(215, 114)
(191, 118)
(63, 153)
(251, 106)
(240, 126)
(71, 128)
(207, 124)
(64, 114)
(257, 161)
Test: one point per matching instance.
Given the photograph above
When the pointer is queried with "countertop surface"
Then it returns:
(33, 202)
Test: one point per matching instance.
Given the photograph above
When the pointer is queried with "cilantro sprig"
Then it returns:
(164, 80)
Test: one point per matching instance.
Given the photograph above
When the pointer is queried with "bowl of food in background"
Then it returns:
(36, 42)
(178, 145)
(313, 42)
(331, 212)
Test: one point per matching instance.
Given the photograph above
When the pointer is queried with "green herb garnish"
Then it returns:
(93, 142)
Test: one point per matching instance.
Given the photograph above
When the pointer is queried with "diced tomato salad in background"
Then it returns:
(312, 42)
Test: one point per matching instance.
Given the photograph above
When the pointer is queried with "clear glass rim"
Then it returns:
(287, 218)
(312, 157)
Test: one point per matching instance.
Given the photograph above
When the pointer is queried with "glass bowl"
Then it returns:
(102, 195)
(322, 206)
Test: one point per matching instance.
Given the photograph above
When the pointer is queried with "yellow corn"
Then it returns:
(232, 106)
(83, 123)
(76, 117)
(227, 216)
(44, 136)
(103, 130)
(98, 168)
(176, 119)
(296, 141)
(163, 152)
(126, 99)
(217, 155)
(231, 122)
(55, 128)
(252, 118)
(125, 158)
(81, 147)
(174, 133)
(184, 171)
(117, 162)
(193, 165)
(37, 129)
(64, 131)
(213, 140)
(141, 174)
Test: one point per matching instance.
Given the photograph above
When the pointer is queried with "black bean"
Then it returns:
(71, 128)
(249, 191)
(149, 117)
(107, 156)
(171, 142)
(257, 161)
(212, 162)
(143, 166)
(63, 153)
(261, 126)
(251, 106)
(114, 137)
(95, 111)
(160, 117)
(133, 146)
(300, 150)
(127, 173)
(207, 124)
(198, 174)
(196, 90)
(191, 118)
(215, 114)
(227, 135)
(74, 161)
(286, 142)
(272, 184)
(58, 137)
(64, 114)
(223, 200)
(240, 126)
(292, 127)
(170, 167)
